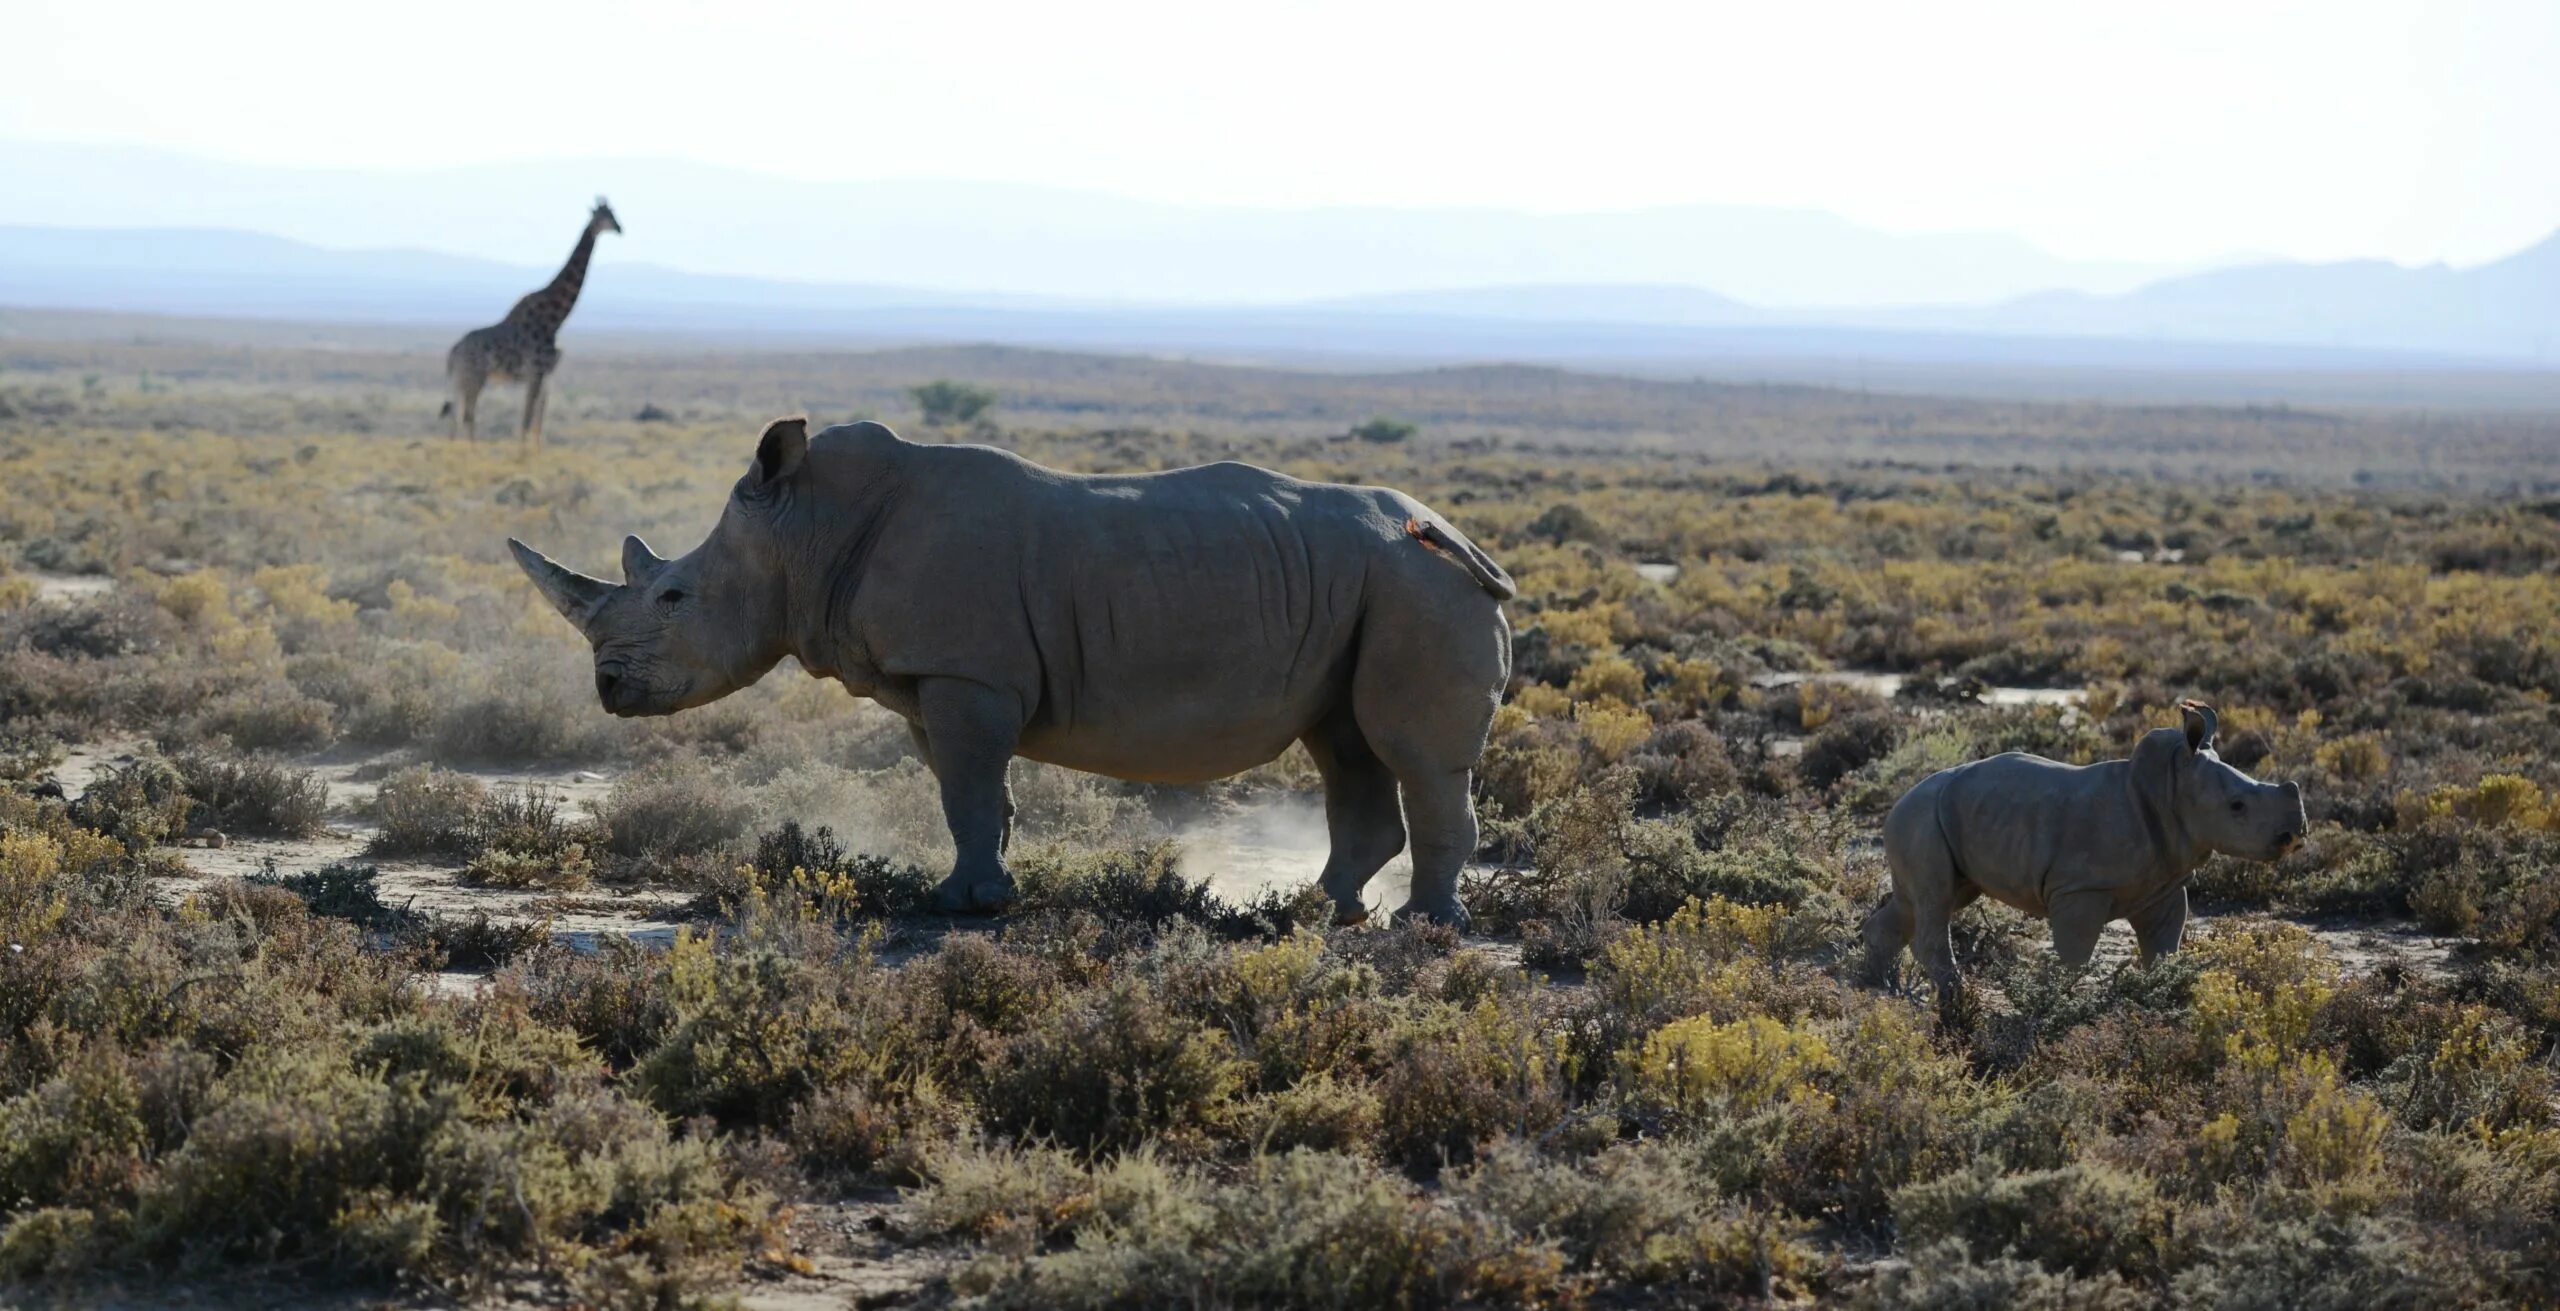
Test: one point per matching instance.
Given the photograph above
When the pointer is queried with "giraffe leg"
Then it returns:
(536, 393)
(471, 408)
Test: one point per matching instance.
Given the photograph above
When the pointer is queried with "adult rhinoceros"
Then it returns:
(1172, 627)
(2079, 845)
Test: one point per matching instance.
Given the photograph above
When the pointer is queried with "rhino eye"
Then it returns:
(671, 596)
(2239, 807)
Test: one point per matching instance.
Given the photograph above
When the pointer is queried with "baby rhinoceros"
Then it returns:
(2078, 844)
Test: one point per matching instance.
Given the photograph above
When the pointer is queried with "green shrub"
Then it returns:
(946, 402)
(671, 811)
(1305, 1229)
(1115, 1067)
(140, 805)
(344, 891)
(1846, 745)
(760, 1026)
(1637, 1216)
(2083, 1218)
(425, 811)
(1451, 1080)
(275, 718)
(524, 843)
(881, 888)
(1321, 1114)
(866, 1135)
(253, 796)
(1946, 1278)
(2334, 1263)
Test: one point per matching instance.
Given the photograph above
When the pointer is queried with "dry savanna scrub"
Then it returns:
(257, 598)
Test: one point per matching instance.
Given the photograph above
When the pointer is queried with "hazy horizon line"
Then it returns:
(2169, 266)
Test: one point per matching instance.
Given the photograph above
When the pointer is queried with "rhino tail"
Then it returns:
(1480, 566)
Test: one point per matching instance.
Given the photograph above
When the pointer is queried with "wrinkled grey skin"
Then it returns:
(1173, 627)
(2078, 845)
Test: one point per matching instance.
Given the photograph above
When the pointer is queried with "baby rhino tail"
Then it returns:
(1450, 542)
(446, 412)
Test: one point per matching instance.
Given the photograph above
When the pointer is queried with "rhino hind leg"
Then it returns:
(1430, 669)
(1361, 814)
(1440, 810)
(971, 731)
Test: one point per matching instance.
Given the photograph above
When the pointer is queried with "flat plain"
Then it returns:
(350, 950)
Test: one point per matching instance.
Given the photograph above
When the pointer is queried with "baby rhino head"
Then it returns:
(675, 634)
(2222, 808)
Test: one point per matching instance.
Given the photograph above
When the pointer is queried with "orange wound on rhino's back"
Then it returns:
(1413, 528)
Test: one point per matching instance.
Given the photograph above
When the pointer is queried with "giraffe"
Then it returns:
(524, 345)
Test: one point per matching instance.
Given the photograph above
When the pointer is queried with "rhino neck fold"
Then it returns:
(819, 591)
(2178, 853)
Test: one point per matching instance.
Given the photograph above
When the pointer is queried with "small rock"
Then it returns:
(587, 776)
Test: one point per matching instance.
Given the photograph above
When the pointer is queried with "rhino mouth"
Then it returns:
(625, 697)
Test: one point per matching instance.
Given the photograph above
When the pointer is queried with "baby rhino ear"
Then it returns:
(2202, 724)
(786, 442)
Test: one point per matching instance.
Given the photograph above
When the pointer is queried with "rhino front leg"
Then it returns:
(1887, 931)
(2078, 918)
(970, 731)
(924, 752)
(1933, 944)
(2161, 925)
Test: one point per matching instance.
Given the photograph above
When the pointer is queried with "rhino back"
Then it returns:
(1174, 625)
(2028, 829)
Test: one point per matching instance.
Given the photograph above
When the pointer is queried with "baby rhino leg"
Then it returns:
(2161, 925)
(1887, 932)
(1927, 892)
(2078, 918)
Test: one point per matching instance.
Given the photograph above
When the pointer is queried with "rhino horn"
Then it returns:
(2203, 726)
(573, 594)
(639, 563)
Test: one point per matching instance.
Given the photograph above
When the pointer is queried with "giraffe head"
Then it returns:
(602, 219)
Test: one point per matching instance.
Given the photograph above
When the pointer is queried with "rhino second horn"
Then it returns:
(573, 594)
(639, 563)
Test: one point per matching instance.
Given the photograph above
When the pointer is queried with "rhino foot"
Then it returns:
(1344, 916)
(960, 893)
(1448, 912)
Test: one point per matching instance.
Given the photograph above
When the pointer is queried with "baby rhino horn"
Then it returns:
(639, 563)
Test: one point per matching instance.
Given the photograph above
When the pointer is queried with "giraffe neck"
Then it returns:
(548, 308)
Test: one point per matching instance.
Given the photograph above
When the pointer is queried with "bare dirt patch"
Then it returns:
(645, 914)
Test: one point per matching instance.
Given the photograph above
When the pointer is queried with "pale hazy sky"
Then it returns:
(2160, 131)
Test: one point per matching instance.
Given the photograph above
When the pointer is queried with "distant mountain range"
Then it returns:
(1091, 272)
(1036, 241)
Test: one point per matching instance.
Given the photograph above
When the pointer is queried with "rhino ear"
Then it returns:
(2203, 726)
(573, 594)
(2156, 759)
(786, 442)
(639, 563)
